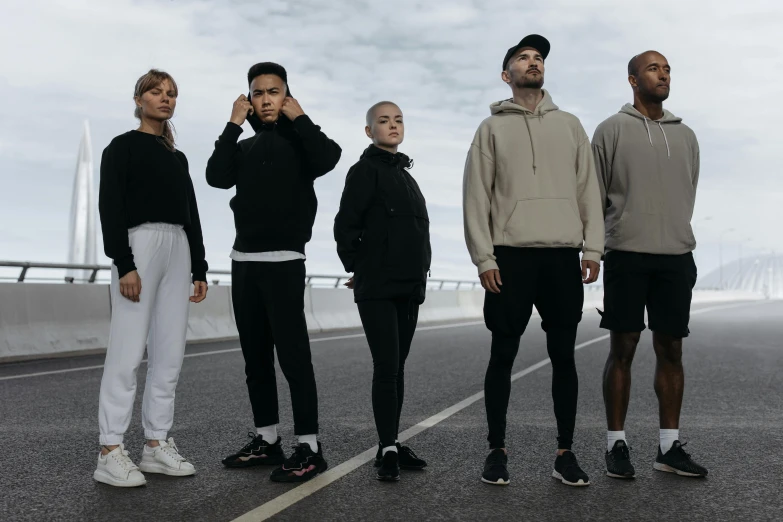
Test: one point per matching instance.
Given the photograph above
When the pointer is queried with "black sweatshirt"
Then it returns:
(274, 173)
(144, 182)
(382, 228)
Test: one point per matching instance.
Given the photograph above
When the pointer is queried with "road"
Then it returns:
(732, 416)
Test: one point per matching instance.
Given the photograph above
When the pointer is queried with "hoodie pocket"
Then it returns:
(544, 222)
(408, 254)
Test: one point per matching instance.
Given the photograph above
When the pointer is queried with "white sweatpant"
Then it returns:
(159, 320)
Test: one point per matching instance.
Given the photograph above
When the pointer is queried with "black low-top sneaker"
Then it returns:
(618, 461)
(677, 461)
(389, 471)
(568, 472)
(257, 452)
(408, 459)
(301, 466)
(495, 471)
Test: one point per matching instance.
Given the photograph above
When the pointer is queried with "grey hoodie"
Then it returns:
(647, 171)
(529, 182)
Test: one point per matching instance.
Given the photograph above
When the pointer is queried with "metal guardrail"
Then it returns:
(333, 281)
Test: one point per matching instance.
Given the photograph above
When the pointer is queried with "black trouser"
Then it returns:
(549, 279)
(268, 302)
(389, 325)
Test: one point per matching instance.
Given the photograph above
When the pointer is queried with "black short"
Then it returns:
(662, 283)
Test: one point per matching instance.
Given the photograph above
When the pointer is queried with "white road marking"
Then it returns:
(229, 350)
(291, 497)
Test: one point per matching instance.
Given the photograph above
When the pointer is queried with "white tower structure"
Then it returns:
(82, 231)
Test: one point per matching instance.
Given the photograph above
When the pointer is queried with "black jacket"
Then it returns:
(274, 173)
(382, 228)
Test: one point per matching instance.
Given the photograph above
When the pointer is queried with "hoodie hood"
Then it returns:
(668, 117)
(508, 106)
(376, 153)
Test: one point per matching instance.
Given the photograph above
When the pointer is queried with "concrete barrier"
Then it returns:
(213, 318)
(45, 320)
(48, 320)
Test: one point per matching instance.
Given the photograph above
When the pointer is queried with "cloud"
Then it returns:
(64, 61)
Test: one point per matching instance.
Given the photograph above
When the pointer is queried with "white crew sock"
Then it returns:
(389, 448)
(310, 440)
(667, 439)
(268, 433)
(614, 436)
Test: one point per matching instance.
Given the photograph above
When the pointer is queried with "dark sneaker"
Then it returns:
(495, 471)
(677, 461)
(408, 459)
(301, 466)
(618, 461)
(568, 472)
(257, 452)
(390, 467)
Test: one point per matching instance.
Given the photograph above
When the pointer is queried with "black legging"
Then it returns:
(565, 384)
(389, 325)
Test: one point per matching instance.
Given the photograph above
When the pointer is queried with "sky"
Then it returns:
(63, 62)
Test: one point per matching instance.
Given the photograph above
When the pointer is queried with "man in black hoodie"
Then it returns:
(274, 211)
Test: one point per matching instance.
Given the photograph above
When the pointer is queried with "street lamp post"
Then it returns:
(741, 244)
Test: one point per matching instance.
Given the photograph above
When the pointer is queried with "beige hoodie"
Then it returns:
(530, 182)
(648, 171)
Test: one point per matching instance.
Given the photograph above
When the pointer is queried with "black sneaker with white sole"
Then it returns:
(408, 459)
(301, 466)
(389, 471)
(495, 470)
(677, 461)
(618, 461)
(257, 452)
(568, 472)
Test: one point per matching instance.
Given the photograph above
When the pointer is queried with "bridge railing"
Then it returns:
(91, 274)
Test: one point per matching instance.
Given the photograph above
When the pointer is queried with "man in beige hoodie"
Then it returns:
(647, 163)
(531, 205)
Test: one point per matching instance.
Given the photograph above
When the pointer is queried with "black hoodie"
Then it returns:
(382, 228)
(274, 173)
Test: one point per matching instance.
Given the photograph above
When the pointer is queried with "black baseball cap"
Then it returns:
(536, 41)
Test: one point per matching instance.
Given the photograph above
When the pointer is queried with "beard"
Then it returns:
(529, 82)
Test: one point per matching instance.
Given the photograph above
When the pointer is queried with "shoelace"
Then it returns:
(299, 454)
(406, 449)
(252, 436)
(679, 449)
(124, 460)
(570, 459)
(171, 450)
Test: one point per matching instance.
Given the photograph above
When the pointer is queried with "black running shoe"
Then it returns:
(618, 461)
(568, 472)
(408, 459)
(301, 466)
(389, 471)
(495, 471)
(257, 452)
(677, 461)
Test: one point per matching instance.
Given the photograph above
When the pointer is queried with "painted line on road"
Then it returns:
(286, 500)
(229, 350)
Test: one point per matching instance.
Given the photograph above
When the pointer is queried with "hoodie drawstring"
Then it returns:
(649, 136)
(532, 147)
(668, 153)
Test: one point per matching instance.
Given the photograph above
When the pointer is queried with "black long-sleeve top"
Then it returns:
(382, 229)
(144, 182)
(274, 173)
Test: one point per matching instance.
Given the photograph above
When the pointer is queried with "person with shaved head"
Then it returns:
(383, 238)
(647, 162)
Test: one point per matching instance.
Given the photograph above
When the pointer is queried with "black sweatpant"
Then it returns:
(389, 325)
(551, 280)
(268, 300)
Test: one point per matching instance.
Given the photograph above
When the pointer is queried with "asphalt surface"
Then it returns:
(732, 416)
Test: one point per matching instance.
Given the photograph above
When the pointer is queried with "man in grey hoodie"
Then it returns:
(647, 162)
(531, 205)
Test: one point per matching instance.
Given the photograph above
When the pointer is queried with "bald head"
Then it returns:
(641, 60)
(372, 113)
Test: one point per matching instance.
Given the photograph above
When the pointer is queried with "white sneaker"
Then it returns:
(165, 459)
(117, 469)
